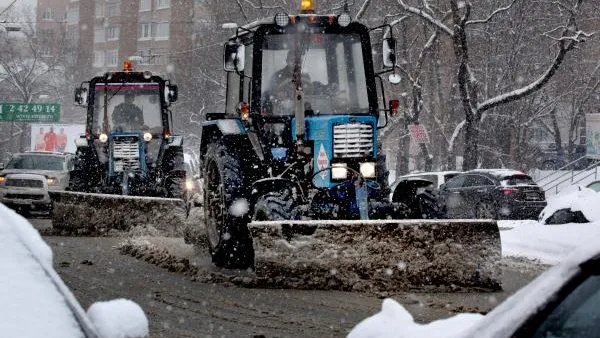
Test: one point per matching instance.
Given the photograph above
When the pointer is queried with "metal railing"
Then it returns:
(556, 179)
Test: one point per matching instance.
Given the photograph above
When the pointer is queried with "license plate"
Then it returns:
(532, 196)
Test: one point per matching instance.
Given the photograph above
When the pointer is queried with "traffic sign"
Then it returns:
(29, 112)
(419, 133)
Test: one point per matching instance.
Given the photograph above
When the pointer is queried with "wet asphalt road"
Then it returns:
(177, 306)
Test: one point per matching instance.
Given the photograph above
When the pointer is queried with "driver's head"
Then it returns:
(129, 97)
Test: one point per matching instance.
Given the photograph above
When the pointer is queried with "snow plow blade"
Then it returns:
(379, 255)
(77, 213)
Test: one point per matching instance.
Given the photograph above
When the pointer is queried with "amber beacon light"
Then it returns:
(307, 6)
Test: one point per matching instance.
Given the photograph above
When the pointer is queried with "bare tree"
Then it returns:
(565, 38)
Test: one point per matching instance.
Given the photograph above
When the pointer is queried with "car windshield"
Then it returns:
(37, 162)
(130, 107)
(336, 86)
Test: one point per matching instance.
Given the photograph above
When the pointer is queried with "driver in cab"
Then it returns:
(283, 88)
(128, 115)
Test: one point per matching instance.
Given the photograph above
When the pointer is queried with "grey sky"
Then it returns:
(4, 3)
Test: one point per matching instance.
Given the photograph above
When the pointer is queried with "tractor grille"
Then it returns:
(352, 140)
(126, 153)
(24, 183)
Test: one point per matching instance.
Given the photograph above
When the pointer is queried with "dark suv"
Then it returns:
(491, 194)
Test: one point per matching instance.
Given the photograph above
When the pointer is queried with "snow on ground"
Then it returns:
(551, 243)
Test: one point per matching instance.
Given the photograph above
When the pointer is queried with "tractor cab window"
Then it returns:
(332, 73)
(129, 107)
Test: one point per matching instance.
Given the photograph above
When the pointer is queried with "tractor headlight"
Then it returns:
(344, 19)
(282, 19)
(367, 169)
(103, 138)
(147, 137)
(189, 185)
(51, 180)
(339, 171)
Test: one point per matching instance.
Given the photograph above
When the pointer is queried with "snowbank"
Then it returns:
(393, 321)
(548, 243)
(576, 198)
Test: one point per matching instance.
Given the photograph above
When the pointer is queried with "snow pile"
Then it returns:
(119, 318)
(30, 302)
(548, 243)
(393, 321)
(576, 198)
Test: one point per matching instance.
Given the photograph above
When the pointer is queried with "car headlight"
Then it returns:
(189, 185)
(2, 179)
(339, 171)
(103, 138)
(147, 137)
(367, 169)
(51, 180)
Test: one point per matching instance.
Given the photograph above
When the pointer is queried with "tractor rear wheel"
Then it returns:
(226, 209)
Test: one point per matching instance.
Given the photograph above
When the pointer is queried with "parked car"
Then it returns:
(35, 302)
(424, 185)
(54, 166)
(491, 194)
(25, 192)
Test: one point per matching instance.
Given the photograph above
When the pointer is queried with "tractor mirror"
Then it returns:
(234, 57)
(1, 166)
(389, 52)
(172, 93)
(81, 96)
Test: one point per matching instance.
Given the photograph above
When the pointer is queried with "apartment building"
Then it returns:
(101, 34)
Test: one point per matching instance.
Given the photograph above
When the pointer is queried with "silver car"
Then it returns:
(54, 166)
(25, 192)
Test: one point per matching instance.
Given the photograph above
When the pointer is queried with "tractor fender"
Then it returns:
(232, 134)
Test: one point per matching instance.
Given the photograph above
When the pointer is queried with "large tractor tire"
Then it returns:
(226, 209)
(275, 206)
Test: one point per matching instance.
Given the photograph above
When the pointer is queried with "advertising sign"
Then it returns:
(418, 133)
(592, 137)
(55, 137)
(29, 112)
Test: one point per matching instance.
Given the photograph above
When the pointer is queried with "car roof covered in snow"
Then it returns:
(503, 320)
(498, 173)
(35, 302)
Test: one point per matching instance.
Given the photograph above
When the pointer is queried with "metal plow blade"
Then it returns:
(391, 255)
(76, 213)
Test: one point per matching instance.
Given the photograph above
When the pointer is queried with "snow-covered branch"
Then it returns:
(436, 22)
(492, 15)
(362, 10)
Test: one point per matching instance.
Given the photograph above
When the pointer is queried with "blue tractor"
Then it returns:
(127, 150)
(296, 147)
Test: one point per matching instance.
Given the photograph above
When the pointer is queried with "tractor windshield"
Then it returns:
(333, 73)
(127, 107)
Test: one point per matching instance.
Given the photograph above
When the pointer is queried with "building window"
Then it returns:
(99, 35)
(145, 5)
(73, 16)
(161, 31)
(112, 33)
(145, 31)
(99, 9)
(162, 4)
(113, 9)
(98, 58)
(47, 14)
(112, 57)
(145, 55)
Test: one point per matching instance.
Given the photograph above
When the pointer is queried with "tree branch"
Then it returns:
(427, 17)
(492, 15)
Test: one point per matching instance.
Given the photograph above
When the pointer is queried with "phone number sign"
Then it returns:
(29, 112)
